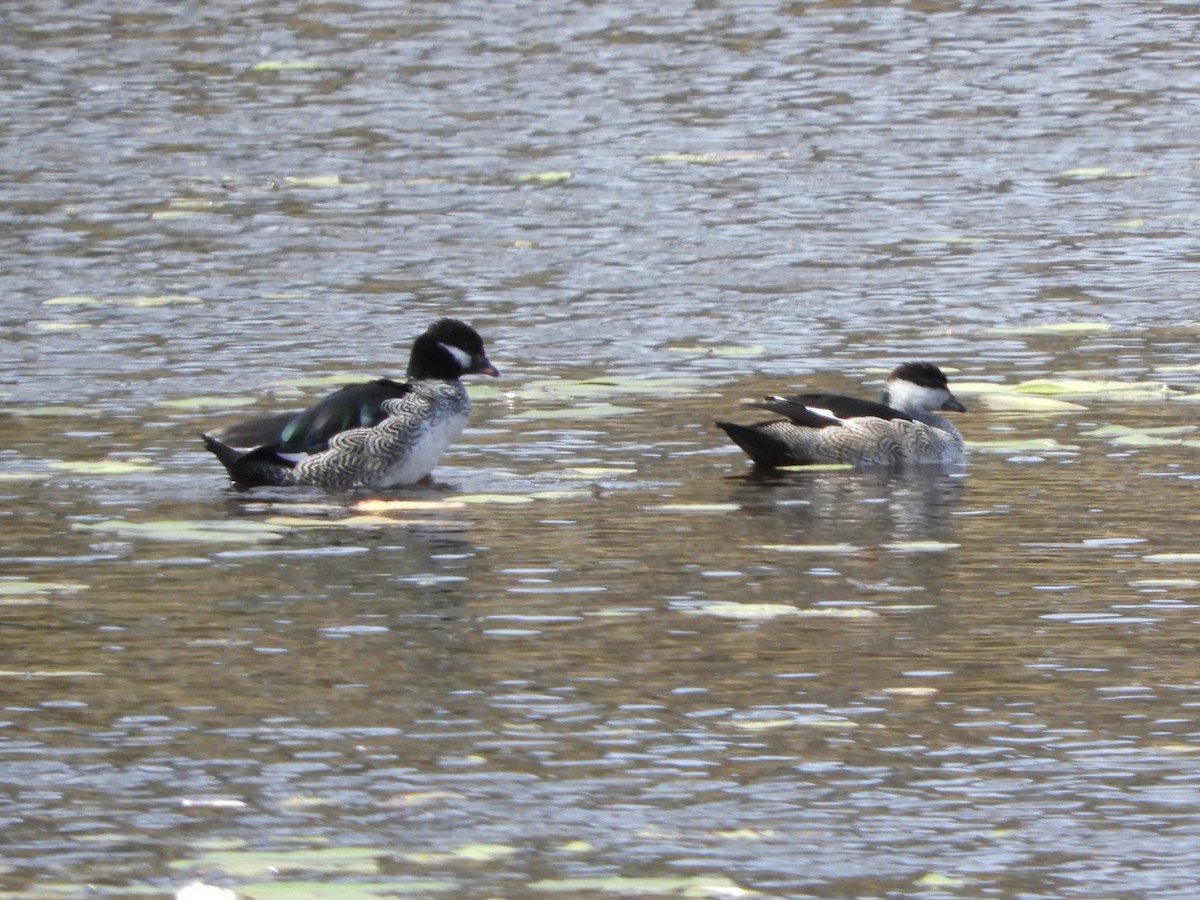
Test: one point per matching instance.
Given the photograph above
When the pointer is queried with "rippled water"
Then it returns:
(600, 655)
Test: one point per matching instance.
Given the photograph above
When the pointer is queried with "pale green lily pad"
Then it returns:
(694, 158)
(545, 178)
(762, 612)
(582, 411)
(62, 326)
(938, 880)
(1029, 404)
(1165, 582)
(1096, 389)
(104, 467)
(23, 588)
(250, 864)
(315, 181)
(810, 548)
(1148, 440)
(651, 886)
(359, 521)
(72, 300)
(284, 65)
(500, 499)
(754, 612)
(210, 532)
(465, 853)
(1125, 430)
(560, 495)
(51, 411)
(695, 507)
(342, 890)
(1092, 172)
(48, 673)
(1172, 557)
(920, 546)
(206, 402)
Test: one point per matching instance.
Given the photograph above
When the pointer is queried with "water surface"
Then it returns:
(603, 655)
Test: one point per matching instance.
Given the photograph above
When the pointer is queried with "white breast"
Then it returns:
(424, 454)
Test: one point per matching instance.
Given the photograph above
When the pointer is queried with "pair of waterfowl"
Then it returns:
(386, 433)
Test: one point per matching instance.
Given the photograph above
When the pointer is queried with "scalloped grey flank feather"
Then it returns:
(904, 428)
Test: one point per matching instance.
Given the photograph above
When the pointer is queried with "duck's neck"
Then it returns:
(941, 423)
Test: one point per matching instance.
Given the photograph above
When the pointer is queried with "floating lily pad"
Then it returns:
(1030, 404)
(62, 326)
(48, 673)
(755, 612)
(1148, 440)
(1093, 172)
(1100, 389)
(810, 548)
(651, 886)
(408, 505)
(250, 864)
(920, 547)
(502, 499)
(1172, 557)
(363, 521)
(105, 467)
(761, 612)
(695, 507)
(1123, 430)
(315, 181)
(342, 890)
(284, 65)
(211, 532)
(545, 178)
(465, 853)
(25, 588)
(1165, 583)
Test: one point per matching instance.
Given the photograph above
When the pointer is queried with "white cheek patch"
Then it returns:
(460, 356)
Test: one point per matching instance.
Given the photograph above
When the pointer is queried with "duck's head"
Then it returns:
(448, 350)
(919, 387)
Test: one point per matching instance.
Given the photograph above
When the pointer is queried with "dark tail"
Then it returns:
(254, 469)
(764, 449)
